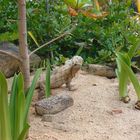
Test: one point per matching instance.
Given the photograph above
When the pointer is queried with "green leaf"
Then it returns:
(131, 75)
(9, 36)
(34, 39)
(17, 106)
(12, 105)
(123, 79)
(133, 48)
(5, 128)
(24, 132)
(71, 3)
(79, 50)
(125, 57)
(47, 82)
(20, 104)
(30, 93)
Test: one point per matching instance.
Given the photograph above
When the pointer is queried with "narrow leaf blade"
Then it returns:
(30, 93)
(48, 83)
(4, 110)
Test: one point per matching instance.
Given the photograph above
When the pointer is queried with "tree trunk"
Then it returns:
(23, 48)
(48, 6)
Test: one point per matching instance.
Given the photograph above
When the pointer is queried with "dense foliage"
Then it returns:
(101, 38)
(97, 39)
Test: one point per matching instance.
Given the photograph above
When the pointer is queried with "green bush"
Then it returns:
(8, 22)
(100, 38)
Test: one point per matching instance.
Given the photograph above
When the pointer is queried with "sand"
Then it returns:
(97, 113)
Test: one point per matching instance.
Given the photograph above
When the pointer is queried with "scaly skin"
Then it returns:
(63, 74)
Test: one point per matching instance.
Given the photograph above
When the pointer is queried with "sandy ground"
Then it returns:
(97, 114)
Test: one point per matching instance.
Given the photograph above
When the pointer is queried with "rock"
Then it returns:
(54, 104)
(35, 61)
(47, 118)
(115, 111)
(9, 65)
(100, 70)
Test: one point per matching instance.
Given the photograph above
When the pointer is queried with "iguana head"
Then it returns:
(75, 63)
(76, 60)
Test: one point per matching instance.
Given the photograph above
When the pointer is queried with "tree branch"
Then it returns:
(10, 54)
(137, 13)
(46, 44)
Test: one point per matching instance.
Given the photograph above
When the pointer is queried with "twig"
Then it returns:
(137, 13)
(10, 54)
(62, 35)
(11, 20)
(134, 66)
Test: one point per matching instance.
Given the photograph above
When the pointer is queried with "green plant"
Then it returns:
(13, 118)
(8, 24)
(47, 81)
(125, 74)
(101, 38)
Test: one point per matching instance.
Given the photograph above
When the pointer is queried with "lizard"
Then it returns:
(62, 75)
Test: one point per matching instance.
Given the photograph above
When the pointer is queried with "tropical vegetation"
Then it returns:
(101, 31)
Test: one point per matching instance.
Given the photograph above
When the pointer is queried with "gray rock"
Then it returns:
(47, 118)
(9, 65)
(100, 70)
(54, 104)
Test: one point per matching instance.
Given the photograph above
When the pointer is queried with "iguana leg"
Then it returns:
(69, 86)
(41, 94)
(41, 91)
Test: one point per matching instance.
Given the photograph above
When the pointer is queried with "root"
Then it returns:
(137, 105)
(125, 99)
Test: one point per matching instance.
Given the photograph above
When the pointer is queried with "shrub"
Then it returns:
(100, 38)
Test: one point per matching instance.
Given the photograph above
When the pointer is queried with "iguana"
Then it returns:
(62, 75)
